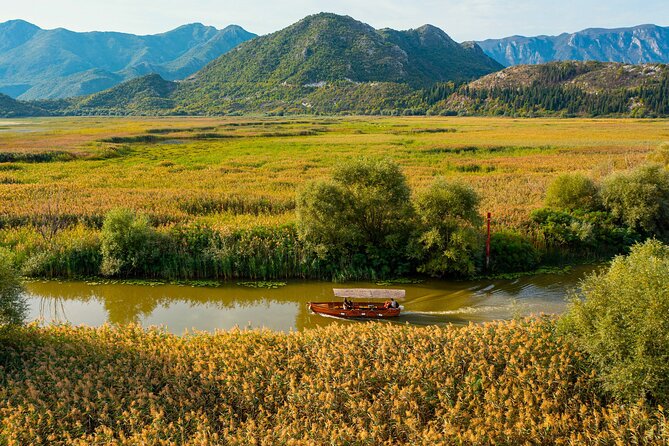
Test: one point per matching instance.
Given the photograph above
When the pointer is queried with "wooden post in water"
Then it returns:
(487, 247)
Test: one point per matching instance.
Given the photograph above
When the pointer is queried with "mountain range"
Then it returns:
(323, 62)
(327, 52)
(635, 45)
(45, 64)
(333, 64)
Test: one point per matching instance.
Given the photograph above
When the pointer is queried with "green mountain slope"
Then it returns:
(328, 47)
(11, 108)
(42, 64)
(148, 94)
(567, 89)
(283, 71)
(432, 56)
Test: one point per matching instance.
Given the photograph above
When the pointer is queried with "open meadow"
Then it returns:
(240, 172)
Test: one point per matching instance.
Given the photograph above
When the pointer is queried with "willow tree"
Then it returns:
(359, 221)
(449, 236)
(640, 199)
(620, 318)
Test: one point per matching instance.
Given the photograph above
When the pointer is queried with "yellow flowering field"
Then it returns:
(515, 382)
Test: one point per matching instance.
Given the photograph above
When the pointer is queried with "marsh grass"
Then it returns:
(514, 382)
(238, 184)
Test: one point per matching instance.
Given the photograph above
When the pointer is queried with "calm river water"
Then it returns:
(181, 308)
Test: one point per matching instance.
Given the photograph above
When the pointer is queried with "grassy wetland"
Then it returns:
(515, 382)
(240, 172)
(237, 178)
(217, 199)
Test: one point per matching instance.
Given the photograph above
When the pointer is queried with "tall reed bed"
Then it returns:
(512, 382)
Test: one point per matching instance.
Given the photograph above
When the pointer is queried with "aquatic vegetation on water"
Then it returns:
(399, 281)
(262, 284)
(512, 382)
(557, 270)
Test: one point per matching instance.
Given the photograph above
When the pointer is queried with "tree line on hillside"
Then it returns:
(549, 92)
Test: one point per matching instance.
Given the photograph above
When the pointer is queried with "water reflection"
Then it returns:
(181, 308)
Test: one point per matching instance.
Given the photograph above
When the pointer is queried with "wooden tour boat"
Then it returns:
(360, 309)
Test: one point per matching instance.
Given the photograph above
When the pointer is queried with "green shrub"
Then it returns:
(362, 216)
(620, 318)
(128, 244)
(571, 191)
(660, 155)
(12, 303)
(449, 239)
(640, 199)
(594, 234)
(512, 252)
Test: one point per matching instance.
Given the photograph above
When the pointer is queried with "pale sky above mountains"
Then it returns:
(461, 19)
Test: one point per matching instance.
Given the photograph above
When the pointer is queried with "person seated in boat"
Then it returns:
(392, 303)
(348, 304)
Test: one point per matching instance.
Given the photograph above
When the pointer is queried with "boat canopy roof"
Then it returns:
(368, 293)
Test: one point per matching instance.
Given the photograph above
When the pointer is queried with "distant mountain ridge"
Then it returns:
(328, 52)
(327, 47)
(635, 45)
(49, 64)
(332, 64)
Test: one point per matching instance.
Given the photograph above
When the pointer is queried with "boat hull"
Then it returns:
(361, 310)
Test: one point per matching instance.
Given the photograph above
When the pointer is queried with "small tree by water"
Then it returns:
(362, 217)
(12, 303)
(449, 238)
(126, 243)
(621, 320)
(640, 199)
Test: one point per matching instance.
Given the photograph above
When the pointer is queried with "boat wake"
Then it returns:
(331, 316)
(463, 310)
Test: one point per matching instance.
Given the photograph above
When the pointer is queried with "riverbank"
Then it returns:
(498, 383)
(180, 307)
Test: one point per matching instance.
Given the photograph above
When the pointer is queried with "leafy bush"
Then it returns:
(512, 252)
(571, 191)
(594, 234)
(363, 214)
(621, 319)
(449, 238)
(128, 243)
(661, 155)
(640, 199)
(12, 303)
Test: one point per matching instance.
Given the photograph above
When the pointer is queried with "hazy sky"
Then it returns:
(463, 19)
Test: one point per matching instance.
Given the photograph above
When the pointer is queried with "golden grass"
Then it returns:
(498, 383)
(509, 161)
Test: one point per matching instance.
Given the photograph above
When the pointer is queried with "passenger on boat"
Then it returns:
(392, 303)
(348, 304)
